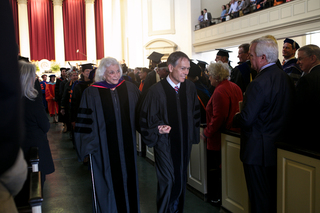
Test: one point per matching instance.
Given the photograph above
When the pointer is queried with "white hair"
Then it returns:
(27, 79)
(266, 46)
(104, 64)
(219, 70)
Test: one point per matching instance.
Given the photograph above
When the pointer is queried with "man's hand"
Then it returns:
(164, 129)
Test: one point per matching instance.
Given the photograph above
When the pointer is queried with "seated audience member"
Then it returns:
(308, 90)
(243, 74)
(289, 63)
(223, 13)
(222, 106)
(36, 124)
(207, 18)
(233, 12)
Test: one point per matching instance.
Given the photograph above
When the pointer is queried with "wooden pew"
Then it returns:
(33, 185)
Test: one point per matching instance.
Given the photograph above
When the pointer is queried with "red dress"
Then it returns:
(52, 104)
(222, 106)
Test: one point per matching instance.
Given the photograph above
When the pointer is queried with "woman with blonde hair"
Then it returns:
(222, 106)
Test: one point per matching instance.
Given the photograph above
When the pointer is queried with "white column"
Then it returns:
(58, 32)
(112, 28)
(90, 32)
(23, 28)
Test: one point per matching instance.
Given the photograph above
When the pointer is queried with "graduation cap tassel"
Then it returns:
(93, 185)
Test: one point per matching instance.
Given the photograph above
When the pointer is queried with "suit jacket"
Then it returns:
(308, 105)
(209, 17)
(265, 116)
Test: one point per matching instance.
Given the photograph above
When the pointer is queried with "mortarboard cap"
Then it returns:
(43, 75)
(86, 66)
(63, 68)
(294, 44)
(52, 75)
(202, 64)
(155, 57)
(162, 64)
(223, 52)
(92, 74)
(194, 70)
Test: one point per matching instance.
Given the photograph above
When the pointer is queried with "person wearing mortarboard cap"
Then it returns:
(77, 90)
(203, 93)
(154, 76)
(289, 64)
(223, 56)
(155, 58)
(50, 97)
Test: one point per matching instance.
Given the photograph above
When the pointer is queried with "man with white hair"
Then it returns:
(263, 121)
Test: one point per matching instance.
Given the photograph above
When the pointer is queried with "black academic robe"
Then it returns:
(105, 128)
(242, 75)
(76, 98)
(162, 106)
(293, 70)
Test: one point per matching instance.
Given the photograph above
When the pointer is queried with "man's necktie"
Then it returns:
(176, 88)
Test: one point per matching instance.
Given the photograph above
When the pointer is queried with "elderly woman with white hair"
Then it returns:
(105, 130)
(222, 106)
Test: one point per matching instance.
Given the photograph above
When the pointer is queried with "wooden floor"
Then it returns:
(69, 189)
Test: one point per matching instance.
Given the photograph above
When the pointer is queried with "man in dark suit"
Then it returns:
(308, 93)
(207, 17)
(263, 120)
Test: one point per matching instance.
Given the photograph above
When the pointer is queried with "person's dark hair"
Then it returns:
(205, 9)
(224, 7)
(201, 12)
(175, 56)
(245, 47)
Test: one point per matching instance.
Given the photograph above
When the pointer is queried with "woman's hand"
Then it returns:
(164, 129)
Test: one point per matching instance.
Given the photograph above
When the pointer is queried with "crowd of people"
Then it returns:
(236, 8)
(105, 108)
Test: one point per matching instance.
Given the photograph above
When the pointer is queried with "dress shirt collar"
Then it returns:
(266, 66)
(171, 83)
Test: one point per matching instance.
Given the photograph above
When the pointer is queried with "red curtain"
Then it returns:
(41, 29)
(74, 26)
(99, 28)
(14, 6)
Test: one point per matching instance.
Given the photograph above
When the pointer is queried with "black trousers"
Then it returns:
(262, 188)
(214, 175)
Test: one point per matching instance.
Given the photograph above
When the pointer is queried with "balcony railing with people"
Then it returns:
(235, 9)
